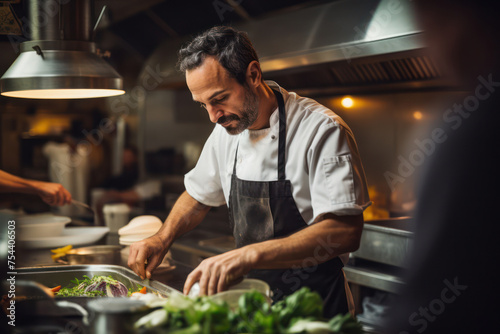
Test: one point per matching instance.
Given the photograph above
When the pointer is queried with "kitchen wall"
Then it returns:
(173, 120)
(394, 136)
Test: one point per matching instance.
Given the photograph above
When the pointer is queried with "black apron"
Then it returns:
(260, 211)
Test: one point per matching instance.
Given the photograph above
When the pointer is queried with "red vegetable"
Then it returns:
(55, 289)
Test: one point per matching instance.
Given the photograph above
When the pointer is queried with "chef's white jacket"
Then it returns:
(322, 161)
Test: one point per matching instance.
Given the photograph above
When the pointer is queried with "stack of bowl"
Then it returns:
(139, 228)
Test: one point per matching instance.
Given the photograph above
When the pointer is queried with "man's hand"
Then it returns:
(216, 273)
(152, 250)
(52, 193)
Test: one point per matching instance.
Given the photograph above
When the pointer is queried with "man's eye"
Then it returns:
(220, 100)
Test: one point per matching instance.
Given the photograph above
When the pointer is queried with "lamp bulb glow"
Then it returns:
(347, 102)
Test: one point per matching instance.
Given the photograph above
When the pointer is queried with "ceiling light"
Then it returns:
(61, 61)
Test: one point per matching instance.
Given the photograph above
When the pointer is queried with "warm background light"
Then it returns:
(64, 93)
(417, 115)
(347, 102)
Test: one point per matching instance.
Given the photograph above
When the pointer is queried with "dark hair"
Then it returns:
(232, 48)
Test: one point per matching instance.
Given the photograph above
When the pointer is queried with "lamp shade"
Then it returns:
(60, 70)
(60, 62)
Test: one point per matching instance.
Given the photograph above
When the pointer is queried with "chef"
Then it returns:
(288, 169)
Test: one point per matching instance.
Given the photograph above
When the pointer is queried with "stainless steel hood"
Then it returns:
(337, 47)
(346, 46)
(338, 31)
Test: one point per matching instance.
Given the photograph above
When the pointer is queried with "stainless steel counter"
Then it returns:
(199, 244)
(189, 250)
(174, 278)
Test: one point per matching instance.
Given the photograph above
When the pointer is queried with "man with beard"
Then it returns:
(287, 167)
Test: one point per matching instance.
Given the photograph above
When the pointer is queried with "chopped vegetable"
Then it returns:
(60, 252)
(55, 289)
(97, 286)
(143, 290)
(302, 304)
(345, 324)
(302, 312)
(57, 256)
(153, 319)
(64, 249)
(309, 326)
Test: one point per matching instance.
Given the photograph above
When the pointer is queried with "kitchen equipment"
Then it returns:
(31, 293)
(94, 254)
(75, 236)
(83, 205)
(40, 225)
(386, 241)
(113, 315)
(76, 314)
(116, 216)
(63, 275)
(234, 292)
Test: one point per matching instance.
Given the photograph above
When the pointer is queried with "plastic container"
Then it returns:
(116, 216)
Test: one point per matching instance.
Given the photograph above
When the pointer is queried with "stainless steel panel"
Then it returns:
(63, 275)
(386, 241)
(373, 279)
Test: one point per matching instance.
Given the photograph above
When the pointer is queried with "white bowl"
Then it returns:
(41, 226)
(233, 294)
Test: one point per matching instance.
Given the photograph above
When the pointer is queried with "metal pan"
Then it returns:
(63, 275)
(105, 254)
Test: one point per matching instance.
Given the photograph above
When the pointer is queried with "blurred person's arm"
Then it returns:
(51, 193)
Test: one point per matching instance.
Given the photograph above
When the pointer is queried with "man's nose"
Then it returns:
(214, 113)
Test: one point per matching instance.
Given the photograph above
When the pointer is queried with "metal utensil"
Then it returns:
(83, 205)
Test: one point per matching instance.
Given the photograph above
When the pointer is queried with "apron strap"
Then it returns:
(282, 136)
(281, 139)
(236, 156)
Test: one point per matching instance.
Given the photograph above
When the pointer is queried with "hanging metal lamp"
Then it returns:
(60, 60)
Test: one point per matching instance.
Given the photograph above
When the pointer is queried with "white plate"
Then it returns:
(75, 236)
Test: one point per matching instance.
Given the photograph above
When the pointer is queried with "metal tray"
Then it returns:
(63, 275)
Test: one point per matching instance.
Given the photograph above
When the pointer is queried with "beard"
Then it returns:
(248, 114)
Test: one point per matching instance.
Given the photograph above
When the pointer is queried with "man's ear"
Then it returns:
(254, 74)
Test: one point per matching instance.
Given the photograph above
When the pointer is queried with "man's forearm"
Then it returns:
(312, 245)
(186, 214)
(12, 183)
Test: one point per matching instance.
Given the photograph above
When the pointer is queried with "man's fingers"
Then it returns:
(153, 262)
(223, 282)
(213, 284)
(190, 280)
(131, 258)
(204, 279)
(140, 263)
(67, 196)
(55, 198)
